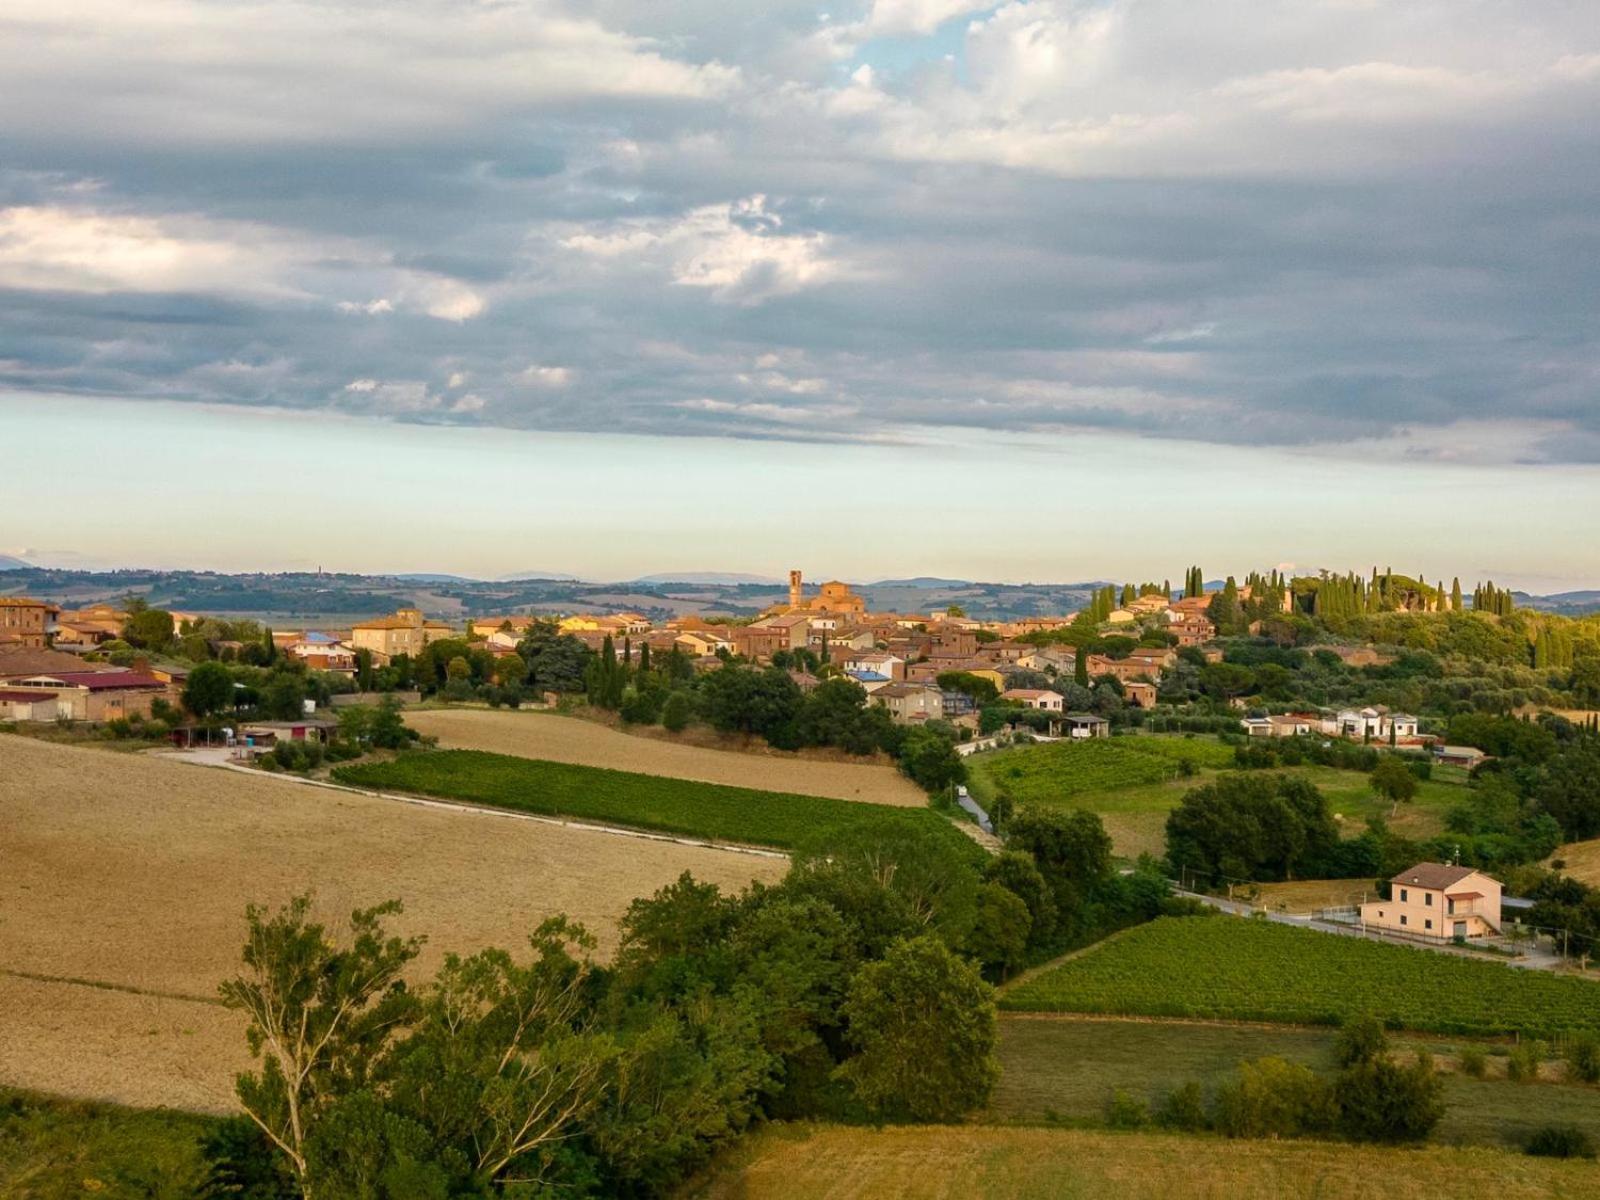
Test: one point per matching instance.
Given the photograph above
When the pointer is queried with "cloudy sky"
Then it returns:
(1091, 244)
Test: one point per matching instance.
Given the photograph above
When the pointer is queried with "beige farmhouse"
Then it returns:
(1437, 901)
(407, 632)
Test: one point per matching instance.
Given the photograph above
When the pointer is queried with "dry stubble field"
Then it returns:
(123, 882)
(585, 743)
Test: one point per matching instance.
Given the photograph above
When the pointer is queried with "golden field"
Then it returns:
(998, 1163)
(589, 744)
(123, 882)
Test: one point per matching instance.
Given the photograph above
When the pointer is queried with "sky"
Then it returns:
(621, 286)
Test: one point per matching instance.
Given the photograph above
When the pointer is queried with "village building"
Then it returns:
(406, 632)
(1192, 630)
(1036, 698)
(833, 597)
(702, 643)
(1140, 693)
(25, 622)
(910, 703)
(887, 665)
(1375, 723)
(1437, 901)
(95, 695)
(17, 704)
(1459, 756)
(487, 627)
(1120, 669)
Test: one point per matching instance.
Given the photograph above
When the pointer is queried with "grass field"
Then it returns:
(1233, 968)
(1066, 1069)
(132, 873)
(805, 1162)
(702, 810)
(556, 738)
(1133, 782)
(1582, 861)
(1309, 895)
(52, 1149)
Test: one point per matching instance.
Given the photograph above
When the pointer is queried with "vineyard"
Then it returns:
(705, 810)
(1062, 771)
(1247, 970)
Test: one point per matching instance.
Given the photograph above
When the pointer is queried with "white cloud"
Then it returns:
(738, 252)
(62, 249)
(72, 249)
(916, 16)
(541, 376)
(295, 70)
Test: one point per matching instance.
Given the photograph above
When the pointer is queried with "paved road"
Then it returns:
(1535, 957)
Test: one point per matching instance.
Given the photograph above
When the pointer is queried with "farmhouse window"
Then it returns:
(1427, 898)
(1403, 895)
(1402, 918)
(1428, 924)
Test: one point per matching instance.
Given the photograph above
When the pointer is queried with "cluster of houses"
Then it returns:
(897, 658)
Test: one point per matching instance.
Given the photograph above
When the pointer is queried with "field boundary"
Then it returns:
(489, 811)
(107, 986)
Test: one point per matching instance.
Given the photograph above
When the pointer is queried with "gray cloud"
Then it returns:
(1304, 222)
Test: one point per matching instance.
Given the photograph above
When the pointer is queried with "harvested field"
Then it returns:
(1582, 861)
(801, 1162)
(570, 740)
(134, 871)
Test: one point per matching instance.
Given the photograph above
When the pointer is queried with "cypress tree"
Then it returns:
(1080, 668)
(1455, 594)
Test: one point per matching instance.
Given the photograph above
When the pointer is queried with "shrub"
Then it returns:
(1474, 1061)
(1184, 1109)
(1360, 1040)
(1271, 1097)
(1380, 1101)
(1522, 1066)
(1126, 1112)
(1583, 1058)
(1560, 1141)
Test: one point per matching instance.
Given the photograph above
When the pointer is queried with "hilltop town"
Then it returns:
(1241, 811)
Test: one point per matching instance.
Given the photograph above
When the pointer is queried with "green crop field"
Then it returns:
(1133, 782)
(704, 810)
(1235, 968)
(1066, 1069)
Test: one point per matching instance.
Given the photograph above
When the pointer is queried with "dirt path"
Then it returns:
(134, 872)
(570, 740)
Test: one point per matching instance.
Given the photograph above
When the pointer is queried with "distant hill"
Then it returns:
(9, 563)
(523, 576)
(426, 577)
(922, 581)
(1566, 604)
(706, 577)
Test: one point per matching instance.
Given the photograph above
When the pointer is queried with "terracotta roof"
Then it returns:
(35, 660)
(24, 697)
(1433, 876)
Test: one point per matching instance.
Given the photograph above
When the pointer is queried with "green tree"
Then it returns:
(923, 1023)
(1245, 825)
(928, 755)
(389, 730)
(209, 690)
(149, 629)
(675, 712)
(1071, 850)
(500, 1056)
(1392, 779)
(318, 1013)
